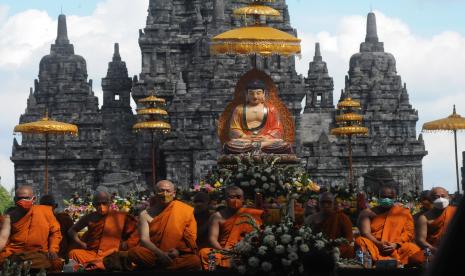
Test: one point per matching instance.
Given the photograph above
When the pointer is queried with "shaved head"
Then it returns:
(437, 192)
(326, 196)
(165, 185)
(234, 189)
(24, 189)
(102, 197)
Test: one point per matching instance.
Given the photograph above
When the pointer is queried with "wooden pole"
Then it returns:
(351, 175)
(456, 162)
(154, 176)
(46, 165)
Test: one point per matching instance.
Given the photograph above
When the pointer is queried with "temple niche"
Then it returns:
(198, 87)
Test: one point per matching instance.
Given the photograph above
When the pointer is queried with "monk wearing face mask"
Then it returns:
(107, 232)
(387, 230)
(30, 233)
(225, 227)
(432, 225)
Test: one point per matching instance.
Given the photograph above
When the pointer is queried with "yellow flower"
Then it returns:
(298, 184)
(217, 184)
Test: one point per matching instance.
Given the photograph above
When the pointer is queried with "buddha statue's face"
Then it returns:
(255, 96)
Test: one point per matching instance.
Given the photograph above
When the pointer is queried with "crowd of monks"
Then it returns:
(172, 235)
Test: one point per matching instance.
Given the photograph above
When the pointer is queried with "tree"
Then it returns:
(5, 199)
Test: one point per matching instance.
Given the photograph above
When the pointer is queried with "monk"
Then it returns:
(387, 230)
(256, 124)
(426, 205)
(202, 216)
(225, 227)
(433, 224)
(168, 233)
(107, 232)
(63, 219)
(333, 223)
(32, 233)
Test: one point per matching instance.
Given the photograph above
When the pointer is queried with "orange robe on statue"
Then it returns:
(32, 237)
(231, 232)
(436, 229)
(273, 127)
(395, 226)
(105, 236)
(175, 227)
(338, 225)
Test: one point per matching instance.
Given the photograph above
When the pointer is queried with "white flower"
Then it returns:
(285, 239)
(241, 269)
(272, 189)
(268, 230)
(257, 190)
(254, 261)
(293, 256)
(266, 186)
(243, 247)
(319, 244)
(285, 229)
(297, 239)
(280, 249)
(262, 250)
(301, 269)
(302, 230)
(244, 184)
(264, 178)
(286, 262)
(253, 182)
(266, 266)
(304, 248)
(279, 230)
(269, 240)
(292, 248)
(336, 254)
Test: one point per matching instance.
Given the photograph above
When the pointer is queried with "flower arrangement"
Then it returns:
(279, 249)
(78, 207)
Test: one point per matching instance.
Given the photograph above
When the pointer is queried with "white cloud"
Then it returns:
(26, 38)
(431, 67)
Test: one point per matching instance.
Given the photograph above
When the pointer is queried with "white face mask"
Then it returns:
(441, 203)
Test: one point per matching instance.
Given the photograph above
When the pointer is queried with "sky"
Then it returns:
(427, 38)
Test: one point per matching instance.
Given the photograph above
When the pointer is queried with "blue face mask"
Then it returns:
(385, 202)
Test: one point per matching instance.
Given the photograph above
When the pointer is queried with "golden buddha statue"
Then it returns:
(255, 125)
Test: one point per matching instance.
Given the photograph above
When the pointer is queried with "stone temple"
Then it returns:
(197, 85)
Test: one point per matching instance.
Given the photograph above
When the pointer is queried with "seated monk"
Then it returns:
(202, 216)
(31, 233)
(333, 223)
(63, 219)
(225, 227)
(168, 233)
(426, 205)
(432, 225)
(387, 230)
(255, 125)
(107, 232)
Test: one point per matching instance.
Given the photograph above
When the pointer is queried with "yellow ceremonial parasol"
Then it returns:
(453, 123)
(256, 39)
(46, 126)
(154, 109)
(349, 125)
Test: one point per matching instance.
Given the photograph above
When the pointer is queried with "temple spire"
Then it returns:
(62, 33)
(116, 55)
(372, 32)
(317, 56)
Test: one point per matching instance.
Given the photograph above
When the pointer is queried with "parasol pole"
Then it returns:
(46, 165)
(456, 161)
(351, 174)
(153, 160)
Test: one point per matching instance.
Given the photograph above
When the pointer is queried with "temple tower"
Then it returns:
(63, 90)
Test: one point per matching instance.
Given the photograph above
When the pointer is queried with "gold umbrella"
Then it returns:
(452, 123)
(349, 125)
(46, 126)
(256, 39)
(154, 108)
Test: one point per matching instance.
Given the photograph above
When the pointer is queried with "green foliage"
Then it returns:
(5, 200)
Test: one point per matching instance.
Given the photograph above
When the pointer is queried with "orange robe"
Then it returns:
(202, 229)
(105, 236)
(66, 222)
(32, 236)
(175, 227)
(338, 225)
(273, 127)
(436, 229)
(395, 226)
(231, 232)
